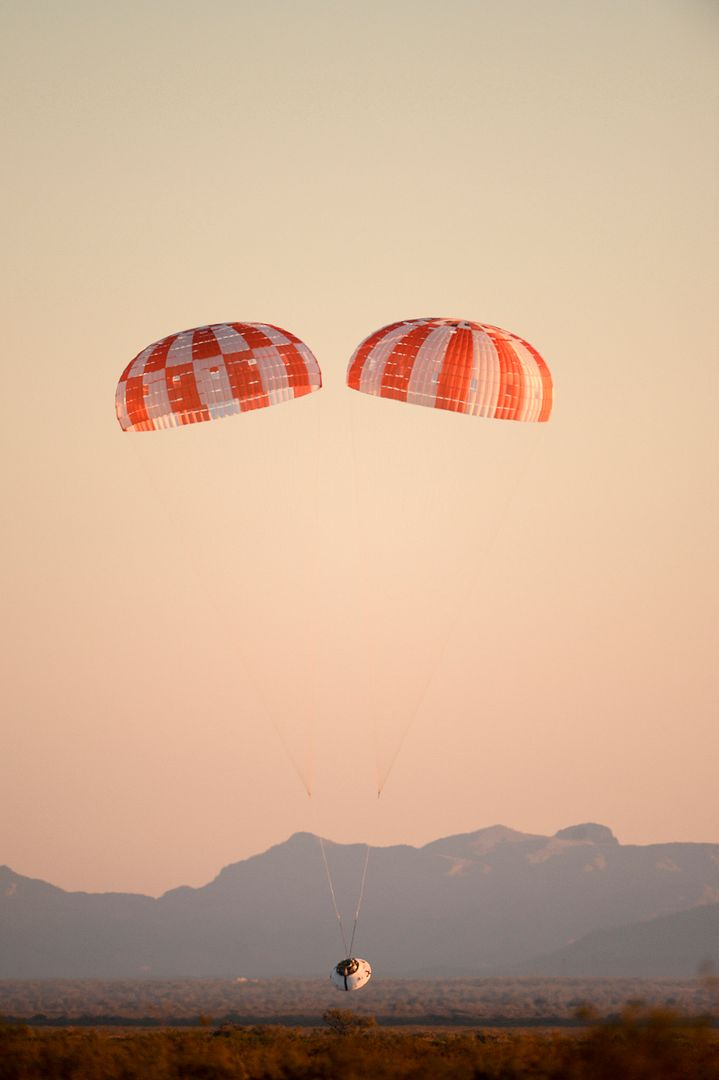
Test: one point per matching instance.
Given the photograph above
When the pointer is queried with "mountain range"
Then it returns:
(495, 901)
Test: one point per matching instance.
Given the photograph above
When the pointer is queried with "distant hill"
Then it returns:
(488, 901)
(682, 944)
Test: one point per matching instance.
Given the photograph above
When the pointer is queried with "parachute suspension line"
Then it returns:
(315, 565)
(332, 894)
(361, 533)
(207, 590)
(432, 668)
(359, 901)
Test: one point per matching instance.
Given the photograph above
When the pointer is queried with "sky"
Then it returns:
(505, 623)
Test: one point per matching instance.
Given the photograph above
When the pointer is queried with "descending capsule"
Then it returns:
(213, 371)
(351, 974)
(454, 364)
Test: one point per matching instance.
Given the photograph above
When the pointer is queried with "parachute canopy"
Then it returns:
(213, 371)
(454, 364)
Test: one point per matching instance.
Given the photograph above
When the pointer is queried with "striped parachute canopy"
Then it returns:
(213, 371)
(454, 364)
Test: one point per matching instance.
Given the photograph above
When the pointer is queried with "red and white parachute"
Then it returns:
(213, 371)
(454, 364)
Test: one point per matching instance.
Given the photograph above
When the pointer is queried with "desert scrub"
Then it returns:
(641, 1044)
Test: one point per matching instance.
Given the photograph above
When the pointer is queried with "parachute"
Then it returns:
(454, 364)
(401, 477)
(223, 369)
(213, 371)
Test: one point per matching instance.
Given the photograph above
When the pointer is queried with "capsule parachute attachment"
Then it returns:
(351, 974)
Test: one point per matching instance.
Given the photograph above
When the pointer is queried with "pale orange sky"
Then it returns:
(546, 596)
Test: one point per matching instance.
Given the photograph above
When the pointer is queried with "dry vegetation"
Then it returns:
(478, 1029)
(640, 1044)
(460, 1002)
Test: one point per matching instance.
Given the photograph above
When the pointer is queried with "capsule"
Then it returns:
(351, 974)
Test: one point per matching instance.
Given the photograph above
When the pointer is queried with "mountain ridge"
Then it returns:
(494, 899)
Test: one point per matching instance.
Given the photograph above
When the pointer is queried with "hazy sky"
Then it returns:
(182, 607)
